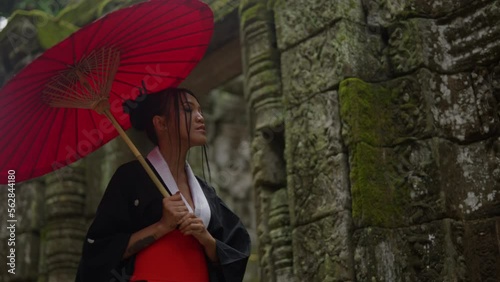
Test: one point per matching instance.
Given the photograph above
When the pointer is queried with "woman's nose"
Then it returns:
(199, 117)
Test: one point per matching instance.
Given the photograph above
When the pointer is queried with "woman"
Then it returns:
(137, 235)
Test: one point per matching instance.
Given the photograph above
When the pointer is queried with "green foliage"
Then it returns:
(49, 6)
(48, 30)
(83, 12)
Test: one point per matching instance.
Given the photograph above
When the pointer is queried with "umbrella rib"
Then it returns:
(72, 39)
(158, 75)
(22, 140)
(124, 82)
(118, 96)
(118, 40)
(169, 20)
(45, 73)
(43, 145)
(93, 37)
(157, 35)
(157, 62)
(76, 129)
(33, 85)
(59, 139)
(19, 109)
(112, 37)
(164, 51)
(47, 58)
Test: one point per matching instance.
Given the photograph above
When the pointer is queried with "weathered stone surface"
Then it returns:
(65, 193)
(320, 63)
(297, 20)
(385, 12)
(482, 249)
(280, 233)
(459, 107)
(383, 115)
(427, 252)
(323, 249)
(27, 254)
(462, 105)
(30, 201)
(471, 176)
(63, 244)
(263, 208)
(448, 46)
(268, 164)
(316, 167)
(221, 8)
(423, 181)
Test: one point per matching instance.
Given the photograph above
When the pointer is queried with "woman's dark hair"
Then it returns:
(146, 106)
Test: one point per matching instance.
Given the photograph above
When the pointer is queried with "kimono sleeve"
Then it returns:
(108, 236)
(232, 246)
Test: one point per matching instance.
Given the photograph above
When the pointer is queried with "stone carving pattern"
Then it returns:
(446, 45)
(426, 252)
(261, 66)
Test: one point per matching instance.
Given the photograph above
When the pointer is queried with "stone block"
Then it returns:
(446, 46)
(482, 249)
(459, 107)
(268, 166)
(428, 252)
(27, 254)
(470, 177)
(320, 63)
(63, 240)
(29, 202)
(316, 165)
(297, 20)
(384, 12)
(383, 114)
(322, 249)
(423, 181)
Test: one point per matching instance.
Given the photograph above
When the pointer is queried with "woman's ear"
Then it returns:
(159, 123)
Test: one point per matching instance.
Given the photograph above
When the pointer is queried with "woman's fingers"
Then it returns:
(190, 224)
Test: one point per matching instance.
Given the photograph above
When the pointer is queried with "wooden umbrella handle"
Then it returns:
(136, 153)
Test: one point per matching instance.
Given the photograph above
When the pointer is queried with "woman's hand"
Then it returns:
(174, 210)
(193, 225)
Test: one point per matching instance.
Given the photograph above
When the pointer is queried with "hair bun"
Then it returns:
(135, 108)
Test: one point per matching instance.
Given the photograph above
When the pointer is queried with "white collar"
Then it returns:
(201, 207)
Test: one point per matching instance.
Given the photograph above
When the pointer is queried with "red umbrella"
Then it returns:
(51, 110)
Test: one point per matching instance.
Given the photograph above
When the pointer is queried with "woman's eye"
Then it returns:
(188, 110)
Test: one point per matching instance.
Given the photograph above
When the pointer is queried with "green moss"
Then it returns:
(222, 8)
(377, 199)
(258, 11)
(53, 32)
(368, 112)
(366, 109)
(49, 30)
(82, 12)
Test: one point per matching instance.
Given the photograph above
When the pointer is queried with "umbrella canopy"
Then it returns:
(45, 118)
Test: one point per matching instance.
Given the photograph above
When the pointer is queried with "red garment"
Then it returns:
(172, 258)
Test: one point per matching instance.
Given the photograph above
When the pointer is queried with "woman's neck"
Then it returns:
(176, 160)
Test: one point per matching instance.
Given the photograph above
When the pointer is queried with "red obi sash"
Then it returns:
(172, 258)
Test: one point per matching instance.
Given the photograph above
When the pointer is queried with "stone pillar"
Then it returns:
(65, 228)
(26, 242)
(264, 99)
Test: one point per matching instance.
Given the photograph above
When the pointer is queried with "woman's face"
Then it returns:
(190, 118)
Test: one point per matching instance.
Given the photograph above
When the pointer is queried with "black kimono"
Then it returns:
(132, 202)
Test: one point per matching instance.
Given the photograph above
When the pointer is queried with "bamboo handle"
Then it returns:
(136, 153)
